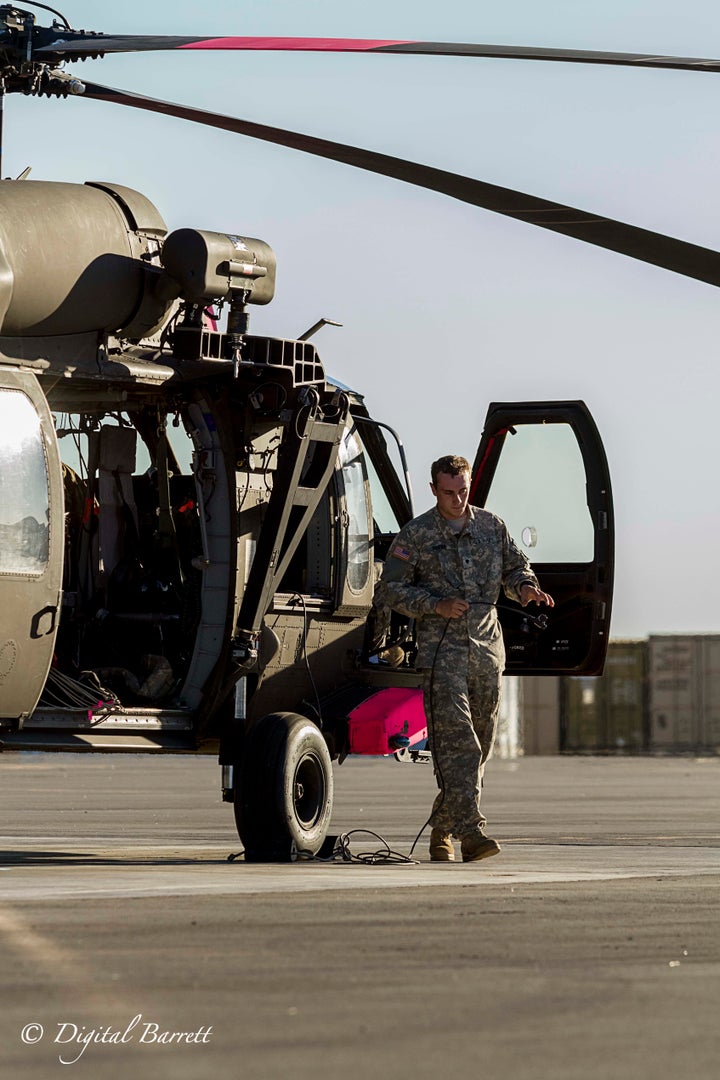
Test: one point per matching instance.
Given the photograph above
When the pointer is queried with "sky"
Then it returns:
(446, 307)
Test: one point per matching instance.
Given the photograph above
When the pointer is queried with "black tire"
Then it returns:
(283, 801)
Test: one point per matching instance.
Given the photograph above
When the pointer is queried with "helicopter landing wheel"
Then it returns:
(283, 801)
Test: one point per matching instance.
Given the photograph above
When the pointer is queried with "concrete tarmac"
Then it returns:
(590, 948)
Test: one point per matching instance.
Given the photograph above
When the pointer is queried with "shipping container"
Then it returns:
(608, 713)
(684, 692)
(710, 666)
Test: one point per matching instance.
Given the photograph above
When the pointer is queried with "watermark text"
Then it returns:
(75, 1039)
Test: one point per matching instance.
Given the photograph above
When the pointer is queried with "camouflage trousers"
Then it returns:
(462, 697)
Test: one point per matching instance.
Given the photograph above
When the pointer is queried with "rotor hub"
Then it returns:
(22, 70)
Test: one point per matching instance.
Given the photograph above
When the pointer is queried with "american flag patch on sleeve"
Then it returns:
(400, 552)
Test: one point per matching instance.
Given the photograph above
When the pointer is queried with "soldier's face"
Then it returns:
(452, 494)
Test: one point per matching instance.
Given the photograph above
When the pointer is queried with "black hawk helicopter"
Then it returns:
(192, 519)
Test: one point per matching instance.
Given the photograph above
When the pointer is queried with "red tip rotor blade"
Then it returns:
(69, 44)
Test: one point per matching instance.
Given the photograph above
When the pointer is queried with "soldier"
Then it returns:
(445, 569)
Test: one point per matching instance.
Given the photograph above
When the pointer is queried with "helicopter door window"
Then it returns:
(538, 490)
(24, 497)
(386, 522)
(357, 510)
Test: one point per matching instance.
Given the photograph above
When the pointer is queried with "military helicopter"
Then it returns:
(193, 519)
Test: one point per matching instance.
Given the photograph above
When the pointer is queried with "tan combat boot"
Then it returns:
(441, 847)
(477, 845)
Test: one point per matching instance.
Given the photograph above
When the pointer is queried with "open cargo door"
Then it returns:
(31, 542)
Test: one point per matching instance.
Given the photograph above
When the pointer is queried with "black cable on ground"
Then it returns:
(380, 857)
(341, 851)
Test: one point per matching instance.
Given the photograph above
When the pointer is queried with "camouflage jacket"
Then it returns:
(428, 562)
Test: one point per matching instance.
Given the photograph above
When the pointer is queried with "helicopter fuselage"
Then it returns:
(193, 520)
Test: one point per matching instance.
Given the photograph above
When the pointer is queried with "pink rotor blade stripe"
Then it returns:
(292, 44)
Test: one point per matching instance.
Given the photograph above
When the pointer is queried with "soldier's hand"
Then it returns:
(531, 595)
(452, 608)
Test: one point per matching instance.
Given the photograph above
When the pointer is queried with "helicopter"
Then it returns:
(193, 519)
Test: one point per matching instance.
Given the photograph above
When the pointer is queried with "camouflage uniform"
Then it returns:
(462, 659)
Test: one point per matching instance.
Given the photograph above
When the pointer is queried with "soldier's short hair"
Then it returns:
(451, 465)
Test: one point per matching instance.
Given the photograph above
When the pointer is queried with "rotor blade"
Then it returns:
(70, 44)
(690, 260)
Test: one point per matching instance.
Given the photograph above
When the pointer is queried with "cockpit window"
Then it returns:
(24, 495)
(386, 521)
(353, 474)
